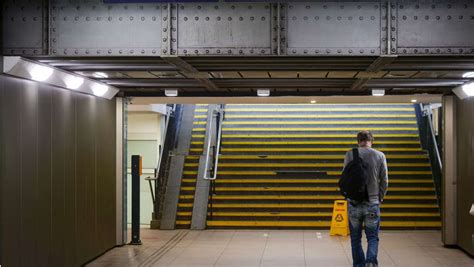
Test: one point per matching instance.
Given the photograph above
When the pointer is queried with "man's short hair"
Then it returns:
(365, 136)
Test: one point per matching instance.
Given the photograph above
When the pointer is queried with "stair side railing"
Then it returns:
(429, 142)
(213, 152)
(158, 182)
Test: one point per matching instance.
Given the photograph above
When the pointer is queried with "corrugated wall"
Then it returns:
(57, 175)
(465, 173)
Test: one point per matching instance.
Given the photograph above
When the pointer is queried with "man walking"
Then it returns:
(366, 211)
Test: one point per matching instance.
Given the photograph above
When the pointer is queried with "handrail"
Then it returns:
(438, 155)
(219, 119)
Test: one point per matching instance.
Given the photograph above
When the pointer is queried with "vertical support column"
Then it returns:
(120, 220)
(448, 203)
(201, 195)
(136, 173)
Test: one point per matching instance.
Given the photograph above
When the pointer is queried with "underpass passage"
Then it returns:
(280, 166)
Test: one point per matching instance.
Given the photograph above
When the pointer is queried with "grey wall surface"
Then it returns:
(465, 173)
(57, 171)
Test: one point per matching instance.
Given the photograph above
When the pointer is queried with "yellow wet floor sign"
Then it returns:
(339, 222)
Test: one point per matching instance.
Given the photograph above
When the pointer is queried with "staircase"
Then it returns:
(280, 165)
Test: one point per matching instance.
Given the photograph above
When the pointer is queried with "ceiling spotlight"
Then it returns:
(313, 101)
(263, 92)
(413, 100)
(40, 73)
(468, 74)
(468, 89)
(171, 92)
(73, 82)
(100, 75)
(99, 89)
(378, 92)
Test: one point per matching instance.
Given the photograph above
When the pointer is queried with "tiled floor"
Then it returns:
(278, 248)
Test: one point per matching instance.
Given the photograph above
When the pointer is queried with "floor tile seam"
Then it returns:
(390, 256)
(169, 248)
(264, 249)
(151, 257)
(225, 247)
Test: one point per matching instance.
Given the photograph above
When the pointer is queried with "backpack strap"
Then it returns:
(355, 154)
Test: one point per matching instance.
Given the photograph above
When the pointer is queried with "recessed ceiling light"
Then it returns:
(99, 89)
(100, 75)
(171, 92)
(313, 101)
(413, 100)
(73, 82)
(263, 92)
(469, 74)
(378, 92)
(468, 88)
(40, 73)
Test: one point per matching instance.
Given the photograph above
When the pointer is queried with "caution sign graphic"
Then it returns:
(339, 222)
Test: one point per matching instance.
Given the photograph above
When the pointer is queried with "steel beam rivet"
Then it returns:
(263, 51)
(427, 17)
(449, 17)
(98, 52)
(109, 51)
(417, 6)
(76, 52)
(361, 18)
(88, 18)
(293, 18)
(415, 17)
(35, 51)
(76, 18)
(404, 51)
(384, 39)
(141, 7)
(165, 30)
(359, 7)
(339, 18)
(143, 18)
(241, 18)
(125, 7)
(372, 17)
(449, 50)
(131, 51)
(461, 17)
(120, 51)
(131, 18)
(415, 50)
(361, 51)
(173, 40)
(207, 18)
(241, 52)
(229, 51)
(218, 18)
(153, 51)
(438, 50)
(350, 51)
(173, 29)
(165, 18)
(65, 51)
(316, 18)
(252, 18)
(216, 7)
(196, 51)
(449, 6)
(349, 18)
(65, 18)
(185, 18)
(185, 51)
(153, 18)
(308, 7)
(427, 50)
(251, 51)
(165, 51)
(339, 51)
(165, 39)
(328, 51)
(207, 51)
(54, 51)
(199, 7)
(229, 18)
(393, 39)
(24, 19)
(218, 51)
(87, 51)
(120, 18)
(460, 50)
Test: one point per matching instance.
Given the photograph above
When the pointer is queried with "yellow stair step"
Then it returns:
(304, 181)
(303, 189)
(312, 116)
(304, 214)
(307, 136)
(338, 173)
(306, 205)
(390, 156)
(302, 165)
(299, 197)
(292, 122)
(303, 224)
(328, 109)
(309, 143)
(282, 129)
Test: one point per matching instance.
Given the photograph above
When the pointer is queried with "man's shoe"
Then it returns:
(371, 264)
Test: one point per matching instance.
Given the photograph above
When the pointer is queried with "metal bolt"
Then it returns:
(87, 51)
(185, 51)
(229, 18)
(185, 18)
(109, 51)
(165, 51)
(196, 51)
(207, 51)
(153, 51)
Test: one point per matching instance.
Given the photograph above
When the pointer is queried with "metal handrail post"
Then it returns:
(218, 146)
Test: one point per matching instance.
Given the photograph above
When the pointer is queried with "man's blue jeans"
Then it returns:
(368, 215)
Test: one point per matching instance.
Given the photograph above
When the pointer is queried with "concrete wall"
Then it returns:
(465, 173)
(145, 134)
(57, 167)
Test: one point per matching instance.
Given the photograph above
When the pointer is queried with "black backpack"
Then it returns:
(354, 179)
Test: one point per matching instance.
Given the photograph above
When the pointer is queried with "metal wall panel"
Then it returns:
(85, 28)
(223, 29)
(24, 25)
(435, 27)
(465, 173)
(334, 28)
(58, 181)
